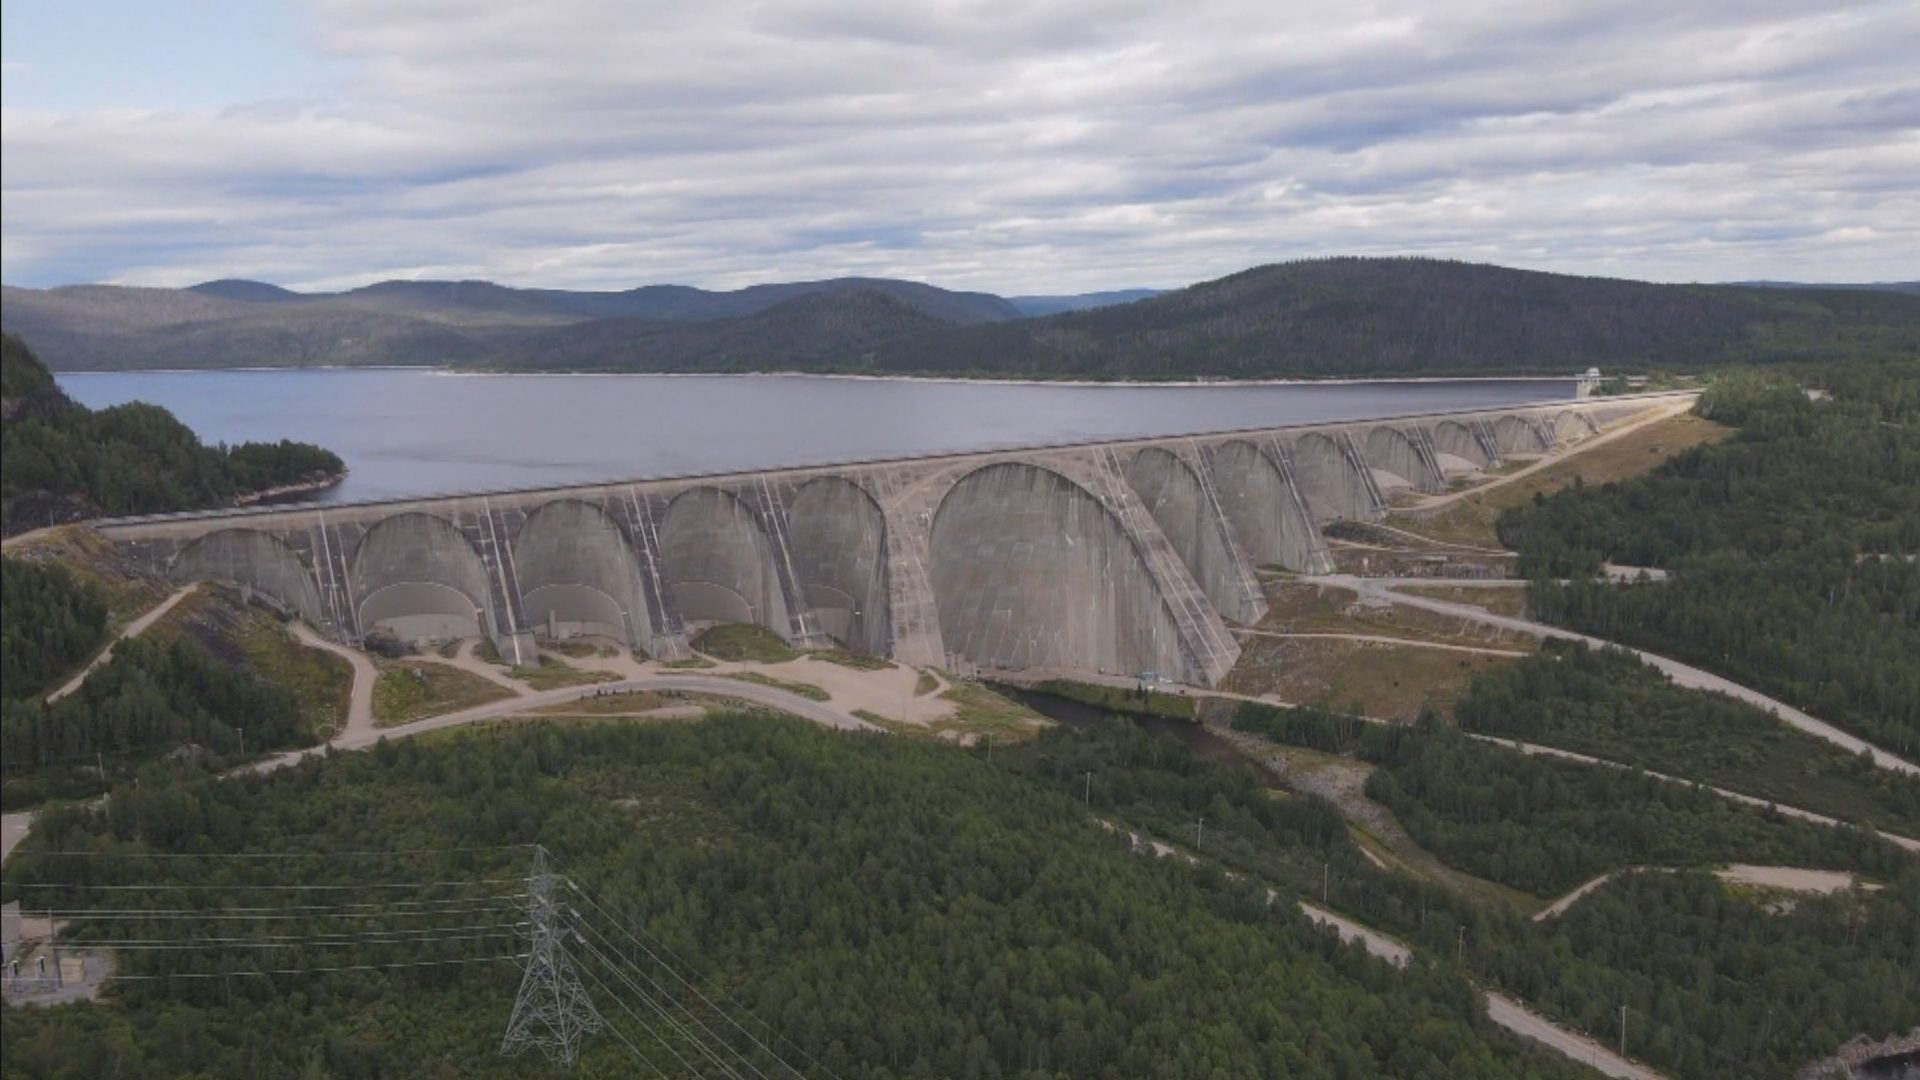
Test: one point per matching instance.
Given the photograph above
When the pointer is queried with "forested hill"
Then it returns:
(1323, 317)
(1420, 316)
(61, 461)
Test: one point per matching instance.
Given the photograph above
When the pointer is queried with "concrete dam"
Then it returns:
(1115, 556)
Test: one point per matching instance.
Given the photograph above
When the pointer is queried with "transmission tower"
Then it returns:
(553, 1011)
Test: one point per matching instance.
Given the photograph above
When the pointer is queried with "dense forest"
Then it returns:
(1316, 317)
(1792, 547)
(61, 461)
(1544, 825)
(891, 907)
(1718, 984)
(49, 623)
(1606, 703)
(149, 698)
(894, 907)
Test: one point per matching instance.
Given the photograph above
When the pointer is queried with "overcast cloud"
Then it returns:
(1008, 146)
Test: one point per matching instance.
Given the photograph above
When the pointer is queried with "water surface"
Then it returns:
(416, 432)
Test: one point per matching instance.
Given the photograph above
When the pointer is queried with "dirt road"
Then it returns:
(360, 701)
(133, 629)
(1682, 674)
(1907, 842)
(1660, 411)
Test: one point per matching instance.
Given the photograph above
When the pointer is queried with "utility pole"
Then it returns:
(1087, 798)
(1623, 1030)
(1326, 871)
(553, 1011)
(1460, 950)
(1197, 823)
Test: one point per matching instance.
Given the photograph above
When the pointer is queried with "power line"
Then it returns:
(364, 852)
(622, 927)
(668, 1047)
(312, 970)
(241, 886)
(395, 908)
(665, 1014)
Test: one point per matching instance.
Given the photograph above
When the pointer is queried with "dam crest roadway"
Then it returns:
(1116, 556)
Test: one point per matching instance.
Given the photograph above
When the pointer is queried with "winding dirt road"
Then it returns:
(360, 701)
(1382, 589)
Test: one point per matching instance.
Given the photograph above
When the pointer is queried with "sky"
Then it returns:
(1012, 146)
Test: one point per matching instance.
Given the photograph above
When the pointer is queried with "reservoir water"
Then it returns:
(418, 432)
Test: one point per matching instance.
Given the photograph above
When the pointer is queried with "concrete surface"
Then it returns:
(1118, 555)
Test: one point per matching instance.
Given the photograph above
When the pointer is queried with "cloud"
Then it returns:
(1014, 147)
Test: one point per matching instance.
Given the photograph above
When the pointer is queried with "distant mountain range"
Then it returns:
(1323, 317)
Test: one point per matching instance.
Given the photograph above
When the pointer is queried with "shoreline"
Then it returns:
(1200, 383)
(269, 496)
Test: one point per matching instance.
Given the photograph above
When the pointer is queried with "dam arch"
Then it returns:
(1391, 451)
(717, 560)
(837, 537)
(255, 560)
(1029, 569)
(1571, 426)
(1269, 523)
(578, 574)
(1457, 440)
(1329, 480)
(1516, 436)
(420, 578)
(1180, 504)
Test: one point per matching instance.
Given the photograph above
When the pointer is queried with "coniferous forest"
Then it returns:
(895, 907)
(61, 461)
(1792, 547)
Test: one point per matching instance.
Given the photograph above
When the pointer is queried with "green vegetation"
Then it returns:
(743, 641)
(1791, 546)
(1544, 825)
(1717, 986)
(1120, 699)
(252, 638)
(415, 689)
(893, 907)
(979, 710)
(854, 660)
(1474, 518)
(147, 700)
(49, 625)
(550, 674)
(1315, 317)
(805, 690)
(61, 461)
(926, 683)
(1608, 704)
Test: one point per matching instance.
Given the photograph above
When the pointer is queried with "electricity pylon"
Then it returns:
(553, 1011)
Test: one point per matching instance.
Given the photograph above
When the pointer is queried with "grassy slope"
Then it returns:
(250, 636)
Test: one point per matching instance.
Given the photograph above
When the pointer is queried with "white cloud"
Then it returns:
(1006, 146)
